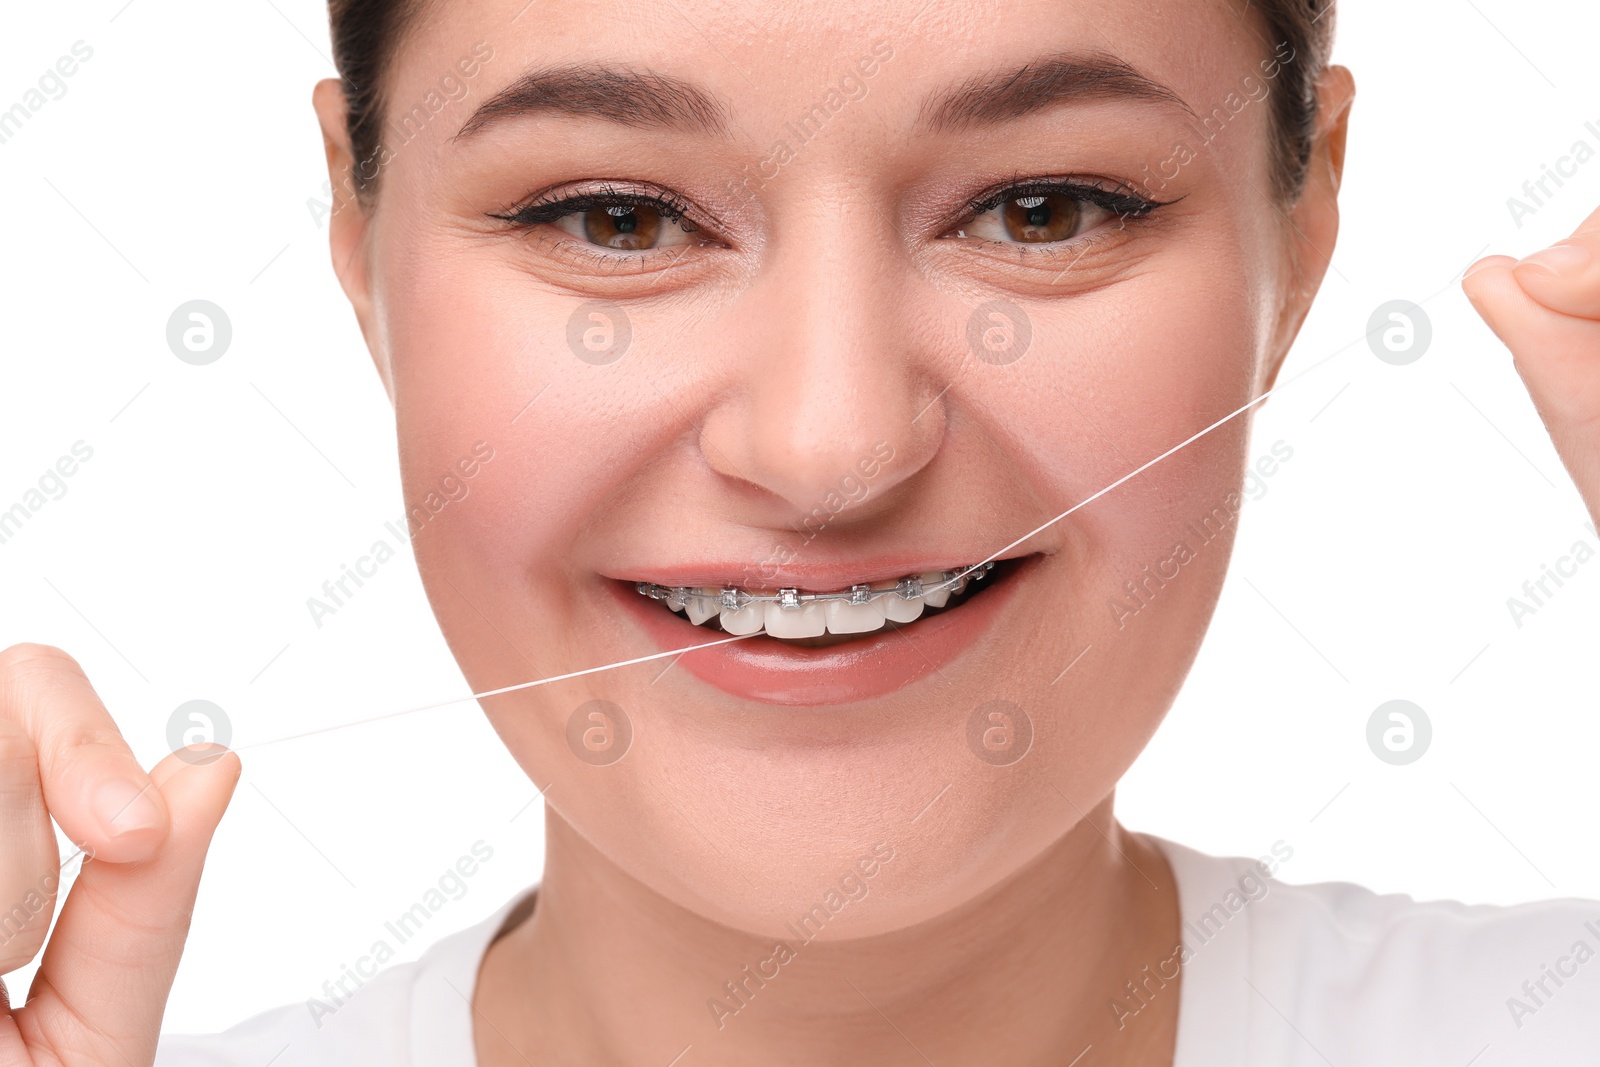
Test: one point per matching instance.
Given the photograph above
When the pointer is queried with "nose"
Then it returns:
(837, 398)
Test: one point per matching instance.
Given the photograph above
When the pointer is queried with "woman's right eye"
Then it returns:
(621, 222)
(628, 227)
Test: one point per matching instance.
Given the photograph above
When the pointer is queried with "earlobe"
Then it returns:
(349, 218)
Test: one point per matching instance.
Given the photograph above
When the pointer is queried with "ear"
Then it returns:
(349, 223)
(1315, 215)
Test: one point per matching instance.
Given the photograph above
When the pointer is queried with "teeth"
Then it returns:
(701, 608)
(808, 620)
(790, 613)
(847, 618)
(745, 620)
(896, 609)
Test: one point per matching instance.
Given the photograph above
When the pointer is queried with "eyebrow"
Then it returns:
(633, 98)
(1043, 83)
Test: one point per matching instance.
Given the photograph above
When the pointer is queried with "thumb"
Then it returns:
(1546, 309)
(102, 987)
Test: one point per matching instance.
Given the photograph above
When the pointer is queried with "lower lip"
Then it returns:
(769, 671)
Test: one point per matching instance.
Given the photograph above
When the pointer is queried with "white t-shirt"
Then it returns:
(1275, 976)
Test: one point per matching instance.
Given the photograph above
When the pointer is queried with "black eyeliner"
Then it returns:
(544, 210)
(1126, 205)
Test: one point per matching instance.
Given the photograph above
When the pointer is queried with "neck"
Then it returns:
(610, 972)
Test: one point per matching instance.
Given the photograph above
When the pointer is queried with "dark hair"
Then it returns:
(366, 35)
(1308, 32)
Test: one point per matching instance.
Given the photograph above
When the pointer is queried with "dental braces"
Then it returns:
(732, 598)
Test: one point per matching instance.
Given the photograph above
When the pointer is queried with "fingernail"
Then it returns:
(123, 807)
(1560, 259)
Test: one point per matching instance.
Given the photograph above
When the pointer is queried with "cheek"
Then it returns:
(1129, 380)
(1145, 561)
(476, 356)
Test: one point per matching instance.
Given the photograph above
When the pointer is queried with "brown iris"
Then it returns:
(1042, 218)
(626, 226)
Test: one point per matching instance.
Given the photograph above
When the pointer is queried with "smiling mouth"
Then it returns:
(817, 619)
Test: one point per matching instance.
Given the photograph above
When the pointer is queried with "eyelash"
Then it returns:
(1126, 205)
(548, 209)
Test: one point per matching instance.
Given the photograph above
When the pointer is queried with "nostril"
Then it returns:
(824, 427)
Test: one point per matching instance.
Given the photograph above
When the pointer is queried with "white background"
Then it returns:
(179, 165)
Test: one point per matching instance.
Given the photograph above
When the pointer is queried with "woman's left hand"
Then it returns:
(1546, 308)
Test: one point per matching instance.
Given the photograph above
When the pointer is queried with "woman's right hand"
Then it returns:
(101, 989)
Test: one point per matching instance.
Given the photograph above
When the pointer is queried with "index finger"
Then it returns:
(93, 785)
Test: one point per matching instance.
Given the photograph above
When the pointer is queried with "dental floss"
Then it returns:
(982, 563)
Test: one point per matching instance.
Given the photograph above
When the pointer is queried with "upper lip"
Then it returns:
(807, 577)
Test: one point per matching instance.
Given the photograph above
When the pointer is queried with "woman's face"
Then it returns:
(802, 295)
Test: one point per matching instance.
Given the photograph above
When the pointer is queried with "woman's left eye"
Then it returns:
(1047, 215)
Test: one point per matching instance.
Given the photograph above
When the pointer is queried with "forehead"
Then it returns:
(759, 60)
